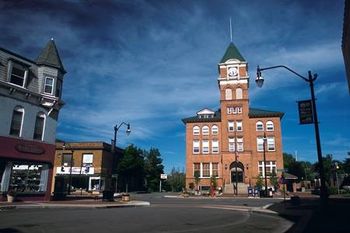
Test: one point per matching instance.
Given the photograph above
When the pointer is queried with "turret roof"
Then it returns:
(232, 53)
(49, 56)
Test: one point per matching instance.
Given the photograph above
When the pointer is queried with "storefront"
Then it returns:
(26, 168)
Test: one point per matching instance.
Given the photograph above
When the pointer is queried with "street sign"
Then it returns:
(163, 176)
(305, 112)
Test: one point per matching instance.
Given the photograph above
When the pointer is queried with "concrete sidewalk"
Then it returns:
(308, 216)
(76, 203)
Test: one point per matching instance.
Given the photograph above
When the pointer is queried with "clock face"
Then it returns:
(232, 71)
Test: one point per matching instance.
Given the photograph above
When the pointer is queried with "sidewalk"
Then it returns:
(308, 215)
(74, 203)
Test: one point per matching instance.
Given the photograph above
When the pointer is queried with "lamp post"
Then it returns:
(310, 79)
(264, 155)
(116, 128)
(114, 146)
(70, 168)
(236, 186)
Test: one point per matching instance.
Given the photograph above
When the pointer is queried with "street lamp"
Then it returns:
(264, 155)
(116, 128)
(310, 79)
(114, 146)
(71, 167)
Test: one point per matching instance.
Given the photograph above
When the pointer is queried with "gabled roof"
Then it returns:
(232, 53)
(255, 113)
(49, 56)
(205, 111)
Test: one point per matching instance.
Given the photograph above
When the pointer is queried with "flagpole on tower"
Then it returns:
(230, 29)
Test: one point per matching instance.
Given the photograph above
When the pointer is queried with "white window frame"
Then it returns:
(228, 94)
(43, 116)
(271, 145)
(239, 93)
(217, 169)
(260, 144)
(239, 125)
(51, 86)
(240, 145)
(196, 130)
(194, 168)
(270, 126)
(259, 126)
(231, 144)
(270, 165)
(21, 110)
(215, 146)
(231, 126)
(214, 130)
(202, 173)
(205, 130)
(13, 64)
(196, 146)
(205, 147)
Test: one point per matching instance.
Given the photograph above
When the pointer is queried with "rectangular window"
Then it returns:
(196, 146)
(196, 168)
(239, 125)
(39, 127)
(270, 168)
(240, 144)
(260, 144)
(18, 74)
(205, 147)
(48, 86)
(231, 145)
(231, 126)
(215, 146)
(271, 144)
(206, 170)
(215, 169)
(16, 123)
(87, 160)
(67, 160)
(58, 88)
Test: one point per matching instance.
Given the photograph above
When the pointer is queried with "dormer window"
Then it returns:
(17, 74)
(48, 85)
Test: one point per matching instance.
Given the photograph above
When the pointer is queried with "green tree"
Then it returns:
(176, 180)
(153, 168)
(274, 179)
(259, 182)
(131, 169)
(213, 182)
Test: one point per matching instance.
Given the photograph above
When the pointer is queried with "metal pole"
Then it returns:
(264, 148)
(236, 187)
(323, 191)
(70, 173)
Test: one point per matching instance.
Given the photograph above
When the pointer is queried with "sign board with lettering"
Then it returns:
(305, 112)
(163, 176)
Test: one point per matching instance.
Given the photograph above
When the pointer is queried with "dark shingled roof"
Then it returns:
(49, 56)
(232, 53)
(253, 113)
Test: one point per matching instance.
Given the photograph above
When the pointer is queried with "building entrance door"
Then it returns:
(237, 172)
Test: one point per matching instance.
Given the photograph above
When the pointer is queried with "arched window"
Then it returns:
(259, 126)
(269, 126)
(17, 121)
(228, 94)
(205, 130)
(196, 130)
(39, 126)
(214, 129)
(239, 93)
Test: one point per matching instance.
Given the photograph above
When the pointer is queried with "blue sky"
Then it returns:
(152, 63)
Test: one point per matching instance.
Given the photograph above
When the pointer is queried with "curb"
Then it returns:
(71, 206)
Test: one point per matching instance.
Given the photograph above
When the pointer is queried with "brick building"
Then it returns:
(228, 143)
(30, 101)
(85, 167)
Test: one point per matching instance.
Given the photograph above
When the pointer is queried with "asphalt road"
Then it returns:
(164, 215)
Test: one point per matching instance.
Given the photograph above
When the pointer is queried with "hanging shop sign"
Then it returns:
(305, 112)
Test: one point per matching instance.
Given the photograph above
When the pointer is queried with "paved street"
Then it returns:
(164, 215)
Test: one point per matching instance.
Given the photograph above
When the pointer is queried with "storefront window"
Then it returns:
(28, 178)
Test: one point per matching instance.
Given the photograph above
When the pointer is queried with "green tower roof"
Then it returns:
(232, 53)
(49, 56)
